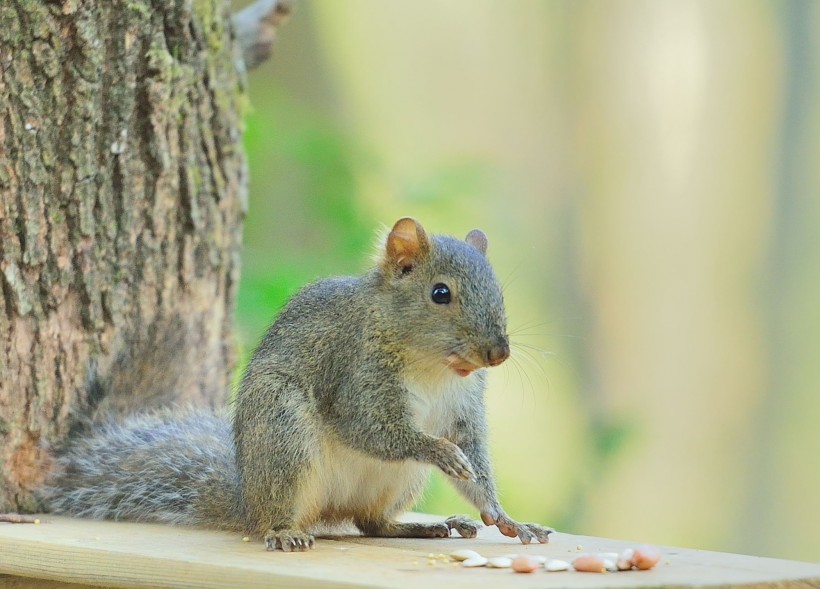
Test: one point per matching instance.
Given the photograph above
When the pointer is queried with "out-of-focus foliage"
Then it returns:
(647, 174)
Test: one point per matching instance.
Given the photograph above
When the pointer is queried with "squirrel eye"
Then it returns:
(440, 294)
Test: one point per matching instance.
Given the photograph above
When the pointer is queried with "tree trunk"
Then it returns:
(122, 192)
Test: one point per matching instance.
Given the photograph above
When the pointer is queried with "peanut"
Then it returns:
(645, 557)
(589, 563)
(524, 564)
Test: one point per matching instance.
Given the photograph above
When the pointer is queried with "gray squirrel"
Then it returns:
(358, 387)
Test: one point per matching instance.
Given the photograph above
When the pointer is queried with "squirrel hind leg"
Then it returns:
(387, 528)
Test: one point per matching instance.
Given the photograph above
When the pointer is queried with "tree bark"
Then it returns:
(122, 193)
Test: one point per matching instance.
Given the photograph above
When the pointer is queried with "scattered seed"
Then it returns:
(246, 539)
(464, 554)
(645, 557)
(524, 564)
(499, 562)
(478, 561)
(579, 548)
(589, 563)
(554, 565)
(624, 560)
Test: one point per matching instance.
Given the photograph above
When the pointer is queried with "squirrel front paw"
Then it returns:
(451, 460)
(526, 532)
(289, 540)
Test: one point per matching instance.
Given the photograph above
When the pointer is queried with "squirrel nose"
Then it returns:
(497, 353)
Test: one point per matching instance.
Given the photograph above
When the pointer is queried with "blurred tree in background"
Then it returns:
(647, 174)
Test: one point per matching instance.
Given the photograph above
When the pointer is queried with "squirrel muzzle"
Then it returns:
(492, 355)
(497, 353)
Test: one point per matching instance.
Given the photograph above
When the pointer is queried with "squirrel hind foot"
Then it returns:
(289, 540)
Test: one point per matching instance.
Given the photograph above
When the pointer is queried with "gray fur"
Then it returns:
(348, 400)
(169, 466)
(334, 370)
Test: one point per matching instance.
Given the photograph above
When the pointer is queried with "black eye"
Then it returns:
(440, 294)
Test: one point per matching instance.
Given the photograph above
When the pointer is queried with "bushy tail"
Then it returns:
(154, 367)
(164, 466)
(133, 455)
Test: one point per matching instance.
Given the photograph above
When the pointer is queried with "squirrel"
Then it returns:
(357, 388)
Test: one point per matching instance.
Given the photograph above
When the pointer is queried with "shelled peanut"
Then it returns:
(641, 558)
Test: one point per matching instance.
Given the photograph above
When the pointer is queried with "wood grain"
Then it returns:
(115, 554)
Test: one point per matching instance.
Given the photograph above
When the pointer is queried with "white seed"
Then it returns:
(610, 565)
(624, 560)
(554, 565)
(499, 562)
(478, 561)
(464, 554)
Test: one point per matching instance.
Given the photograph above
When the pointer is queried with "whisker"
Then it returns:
(532, 361)
(511, 277)
(526, 383)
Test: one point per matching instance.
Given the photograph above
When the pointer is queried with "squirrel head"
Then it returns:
(445, 298)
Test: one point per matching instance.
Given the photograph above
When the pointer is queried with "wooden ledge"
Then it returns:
(113, 554)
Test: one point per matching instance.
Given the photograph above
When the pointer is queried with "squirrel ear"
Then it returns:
(478, 239)
(406, 243)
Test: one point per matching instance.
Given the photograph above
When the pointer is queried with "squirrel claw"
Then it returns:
(541, 533)
(466, 527)
(289, 540)
(452, 461)
(525, 532)
(529, 532)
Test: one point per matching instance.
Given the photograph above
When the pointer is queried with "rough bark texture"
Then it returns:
(122, 190)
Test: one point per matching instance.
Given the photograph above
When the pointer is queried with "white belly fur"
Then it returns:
(346, 483)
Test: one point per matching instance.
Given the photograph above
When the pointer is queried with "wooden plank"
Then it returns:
(115, 554)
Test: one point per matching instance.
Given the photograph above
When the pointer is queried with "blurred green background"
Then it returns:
(648, 175)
